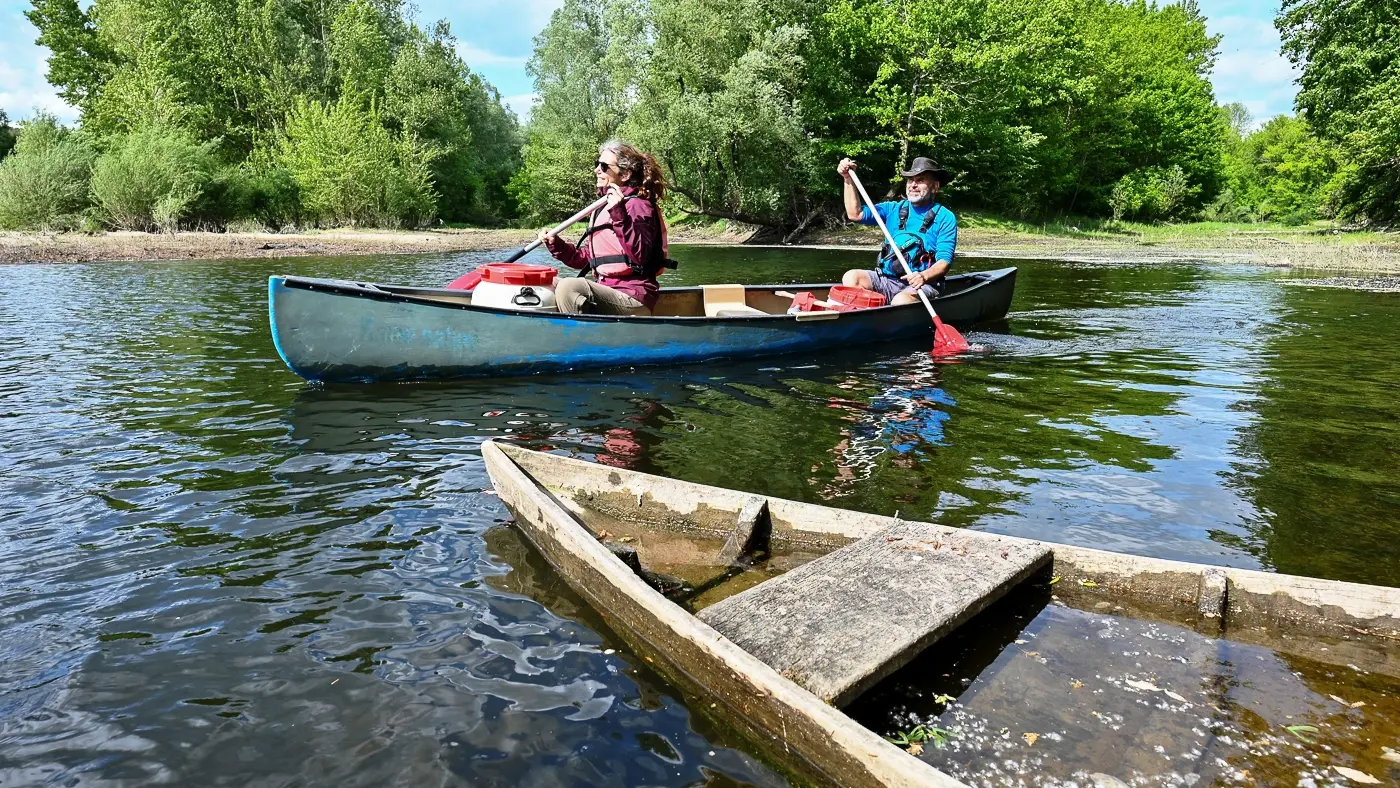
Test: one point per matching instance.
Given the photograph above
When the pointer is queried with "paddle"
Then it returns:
(947, 341)
(470, 280)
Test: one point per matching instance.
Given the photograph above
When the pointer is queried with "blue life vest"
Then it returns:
(913, 243)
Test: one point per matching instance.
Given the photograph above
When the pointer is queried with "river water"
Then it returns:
(212, 572)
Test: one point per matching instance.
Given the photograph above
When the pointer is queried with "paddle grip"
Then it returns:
(559, 228)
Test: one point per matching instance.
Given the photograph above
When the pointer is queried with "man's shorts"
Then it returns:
(891, 286)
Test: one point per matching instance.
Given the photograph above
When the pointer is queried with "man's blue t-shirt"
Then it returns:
(941, 238)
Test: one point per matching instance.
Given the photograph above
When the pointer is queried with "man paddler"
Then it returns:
(926, 231)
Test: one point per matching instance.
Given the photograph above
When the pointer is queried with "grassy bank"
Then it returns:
(1317, 246)
(119, 246)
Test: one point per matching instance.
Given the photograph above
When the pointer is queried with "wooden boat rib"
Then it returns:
(1328, 621)
(341, 331)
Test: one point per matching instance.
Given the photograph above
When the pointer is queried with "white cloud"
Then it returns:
(478, 58)
(521, 104)
(23, 64)
(1251, 69)
(529, 13)
(497, 17)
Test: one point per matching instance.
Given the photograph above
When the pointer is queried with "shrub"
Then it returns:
(1150, 194)
(349, 170)
(44, 182)
(152, 178)
(274, 199)
(1227, 208)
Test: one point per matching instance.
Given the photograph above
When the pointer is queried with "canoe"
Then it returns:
(358, 332)
(564, 507)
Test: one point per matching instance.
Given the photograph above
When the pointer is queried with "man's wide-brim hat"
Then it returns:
(922, 164)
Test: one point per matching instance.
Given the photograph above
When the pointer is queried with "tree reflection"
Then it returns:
(1326, 440)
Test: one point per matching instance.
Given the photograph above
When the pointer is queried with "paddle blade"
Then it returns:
(948, 341)
(467, 281)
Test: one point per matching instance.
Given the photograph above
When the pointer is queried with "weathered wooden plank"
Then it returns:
(752, 523)
(839, 624)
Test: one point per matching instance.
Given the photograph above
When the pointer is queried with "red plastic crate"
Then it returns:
(855, 298)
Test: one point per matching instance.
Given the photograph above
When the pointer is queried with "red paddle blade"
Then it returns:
(467, 281)
(947, 341)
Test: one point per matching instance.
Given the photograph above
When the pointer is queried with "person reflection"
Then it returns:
(900, 420)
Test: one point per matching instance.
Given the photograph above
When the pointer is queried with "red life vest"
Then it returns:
(608, 257)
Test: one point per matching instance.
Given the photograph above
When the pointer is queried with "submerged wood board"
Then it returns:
(839, 624)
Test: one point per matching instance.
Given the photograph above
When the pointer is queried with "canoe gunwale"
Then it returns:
(785, 721)
(405, 295)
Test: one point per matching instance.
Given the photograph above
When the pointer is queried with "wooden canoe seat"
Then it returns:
(839, 624)
(727, 299)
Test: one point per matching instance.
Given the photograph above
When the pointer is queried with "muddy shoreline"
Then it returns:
(1324, 255)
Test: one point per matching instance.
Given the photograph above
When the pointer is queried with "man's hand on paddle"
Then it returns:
(933, 273)
(848, 192)
(844, 169)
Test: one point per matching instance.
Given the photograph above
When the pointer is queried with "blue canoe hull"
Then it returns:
(355, 332)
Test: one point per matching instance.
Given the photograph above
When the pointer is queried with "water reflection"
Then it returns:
(213, 572)
(1320, 458)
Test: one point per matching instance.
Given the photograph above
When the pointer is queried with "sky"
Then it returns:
(495, 38)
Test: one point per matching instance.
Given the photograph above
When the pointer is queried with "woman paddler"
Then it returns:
(625, 243)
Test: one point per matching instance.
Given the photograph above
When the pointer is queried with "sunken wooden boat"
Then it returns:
(777, 659)
(357, 332)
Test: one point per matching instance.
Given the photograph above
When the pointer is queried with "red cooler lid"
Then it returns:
(518, 274)
(856, 297)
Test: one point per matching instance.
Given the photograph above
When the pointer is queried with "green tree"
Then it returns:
(8, 135)
(430, 93)
(359, 50)
(44, 181)
(1297, 170)
(585, 68)
(235, 71)
(1038, 107)
(918, 85)
(1350, 93)
(721, 102)
(1241, 180)
(1281, 171)
(79, 61)
(350, 170)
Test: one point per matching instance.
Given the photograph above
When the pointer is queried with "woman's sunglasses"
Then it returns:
(604, 166)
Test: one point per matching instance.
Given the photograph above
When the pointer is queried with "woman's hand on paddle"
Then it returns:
(546, 237)
(614, 195)
(844, 169)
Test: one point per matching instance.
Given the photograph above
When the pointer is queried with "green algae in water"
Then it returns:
(1147, 703)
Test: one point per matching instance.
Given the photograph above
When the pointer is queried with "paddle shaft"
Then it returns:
(561, 227)
(898, 253)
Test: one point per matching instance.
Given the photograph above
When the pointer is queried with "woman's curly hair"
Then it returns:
(643, 170)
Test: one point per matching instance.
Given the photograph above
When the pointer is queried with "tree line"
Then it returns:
(295, 112)
(278, 112)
